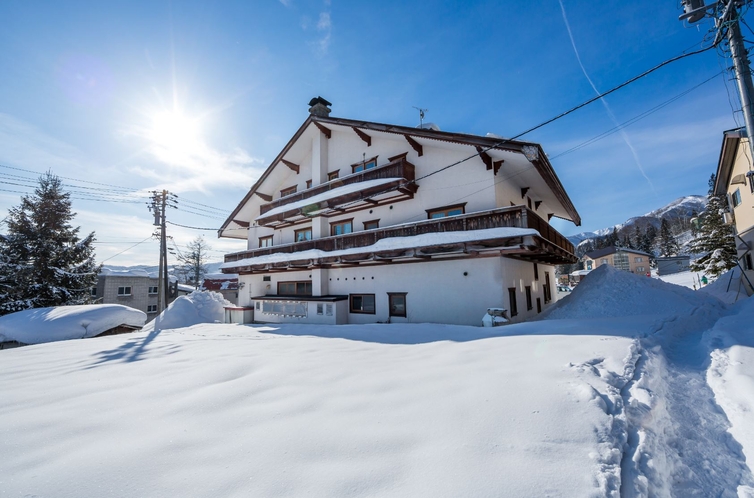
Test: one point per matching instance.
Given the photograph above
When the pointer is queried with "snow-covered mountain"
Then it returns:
(680, 210)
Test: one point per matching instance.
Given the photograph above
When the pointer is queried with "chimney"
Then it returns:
(319, 107)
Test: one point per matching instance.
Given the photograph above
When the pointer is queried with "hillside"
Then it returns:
(678, 213)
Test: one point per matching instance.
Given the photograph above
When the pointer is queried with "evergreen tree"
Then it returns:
(637, 237)
(648, 242)
(714, 239)
(42, 260)
(668, 244)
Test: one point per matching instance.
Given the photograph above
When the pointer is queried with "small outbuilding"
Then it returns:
(672, 264)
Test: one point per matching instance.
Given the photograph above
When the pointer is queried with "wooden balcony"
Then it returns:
(400, 169)
(549, 247)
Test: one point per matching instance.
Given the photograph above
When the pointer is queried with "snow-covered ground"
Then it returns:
(629, 387)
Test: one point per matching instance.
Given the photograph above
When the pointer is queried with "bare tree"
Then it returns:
(194, 260)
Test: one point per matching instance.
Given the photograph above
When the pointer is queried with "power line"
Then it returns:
(193, 228)
(124, 250)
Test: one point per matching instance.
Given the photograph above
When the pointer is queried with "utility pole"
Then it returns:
(159, 203)
(726, 15)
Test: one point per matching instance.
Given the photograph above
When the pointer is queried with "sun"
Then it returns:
(175, 133)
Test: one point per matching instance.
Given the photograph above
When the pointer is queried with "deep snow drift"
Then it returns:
(67, 322)
(185, 311)
(592, 403)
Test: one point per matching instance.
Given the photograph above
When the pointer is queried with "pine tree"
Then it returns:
(42, 260)
(714, 239)
(637, 237)
(668, 244)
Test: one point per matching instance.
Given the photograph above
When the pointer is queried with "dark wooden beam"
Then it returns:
(371, 201)
(265, 197)
(416, 145)
(485, 157)
(293, 166)
(524, 190)
(537, 204)
(363, 136)
(496, 166)
(244, 224)
(324, 129)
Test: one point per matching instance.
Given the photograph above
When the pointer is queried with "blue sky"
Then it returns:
(95, 91)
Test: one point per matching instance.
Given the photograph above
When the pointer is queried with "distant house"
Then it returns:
(621, 258)
(735, 179)
(672, 264)
(133, 288)
(224, 283)
(364, 222)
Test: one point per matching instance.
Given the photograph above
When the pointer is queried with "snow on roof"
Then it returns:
(324, 196)
(580, 273)
(220, 276)
(608, 292)
(61, 323)
(185, 311)
(389, 244)
(127, 273)
(186, 288)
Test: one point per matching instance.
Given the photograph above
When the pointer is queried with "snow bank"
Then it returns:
(61, 323)
(185, 311)
(608, 292)
(729, 287)
(731, 373)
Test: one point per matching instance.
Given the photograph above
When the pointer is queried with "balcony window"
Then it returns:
(288, 191)
(364, 165)
(303, 234)
(124, 291)
(442, 212)
(341, 227)
(265, 241)
(332, 175)
(362, 303)
(302, 288)
(372, 224)
(397, 303)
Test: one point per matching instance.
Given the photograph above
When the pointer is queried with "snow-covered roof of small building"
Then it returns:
(611, 250)
(127, 273)
(61, 323)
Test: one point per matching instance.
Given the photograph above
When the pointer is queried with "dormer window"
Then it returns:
(365, 164)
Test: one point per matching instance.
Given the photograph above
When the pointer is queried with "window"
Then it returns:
(548, 295)
(446, 211)
(94, 292)
(512, 299)
(528, 202)
(528, 297)
(151, 308)
(258, 305)
(362, 303)
(536, 271)
(367, 164)
(328, 309)
(332, 175)
(589, 264)
(302, 288)
(638, 259)
(124, 291)
(320, 309)
(397, 303)
(539, 305)
(153, 289)
(736, 197)
(747, 261)
(288, 191)
(372, 224)
(640, 268)
(284, 308)
(303, 234)
(265, 241)
(341, 227)
(603, 261)
(308, 184)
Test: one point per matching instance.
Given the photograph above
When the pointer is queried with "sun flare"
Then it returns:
(175, 134)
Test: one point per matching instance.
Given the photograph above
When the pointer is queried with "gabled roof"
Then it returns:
(606, 251)
(728, 152)
(533, 152)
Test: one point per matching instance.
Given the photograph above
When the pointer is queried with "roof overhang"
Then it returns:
(728, 153)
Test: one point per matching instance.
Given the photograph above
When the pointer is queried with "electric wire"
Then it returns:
(124, 250)
(192, 228)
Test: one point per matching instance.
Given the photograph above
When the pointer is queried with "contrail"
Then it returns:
(604, 102)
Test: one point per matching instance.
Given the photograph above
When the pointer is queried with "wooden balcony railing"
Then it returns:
(400, 168)
(514, 216)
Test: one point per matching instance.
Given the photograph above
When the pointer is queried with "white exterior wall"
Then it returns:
(437, 291)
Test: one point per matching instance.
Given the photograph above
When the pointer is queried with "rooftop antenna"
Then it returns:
(421, 115)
